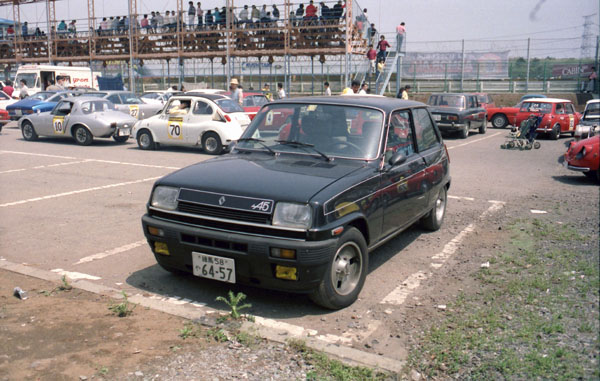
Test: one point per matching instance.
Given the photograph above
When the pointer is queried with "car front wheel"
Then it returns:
(483, 127)
(556, 132)
(211, 143)
(145, 141)
(346, 273)
(28, 131)
(499, 121)
(434, 219)
(83, 136)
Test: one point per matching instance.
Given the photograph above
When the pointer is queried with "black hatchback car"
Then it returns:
(311, 187)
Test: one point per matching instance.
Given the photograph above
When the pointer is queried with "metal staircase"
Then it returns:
(384, 77)
(362, 71)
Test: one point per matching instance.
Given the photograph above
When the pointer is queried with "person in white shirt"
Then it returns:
(364, 89)
(244, 15)
(280, 91)
(327, 89)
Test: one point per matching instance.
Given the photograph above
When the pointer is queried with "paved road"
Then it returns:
(77, 209)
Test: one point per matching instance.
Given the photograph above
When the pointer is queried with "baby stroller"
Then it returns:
(524, 136)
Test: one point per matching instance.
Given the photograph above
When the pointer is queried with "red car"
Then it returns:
(584, 156)
(4, 118)
(558, 115)
(252, 102)
(501, 117)
(485, 100)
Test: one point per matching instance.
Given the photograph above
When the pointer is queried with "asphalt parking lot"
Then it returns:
(76, 210)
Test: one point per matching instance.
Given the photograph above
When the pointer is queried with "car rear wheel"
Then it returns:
(211, 143)
(434, 219)
(82, 136)
(464, 132)
(499, 121)
(346, 273)
(483, 127)
(145, 140)
(28, 131)
(555, 132)
(120, 139)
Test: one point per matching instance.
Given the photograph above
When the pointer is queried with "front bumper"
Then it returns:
(253, 264)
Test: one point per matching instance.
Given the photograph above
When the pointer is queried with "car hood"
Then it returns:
(25, 103)
(293, 178)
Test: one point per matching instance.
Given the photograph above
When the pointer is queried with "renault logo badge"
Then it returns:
(222, 200)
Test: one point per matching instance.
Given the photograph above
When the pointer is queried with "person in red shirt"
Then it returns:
(372, 56)
(382, 46)
(311, 11)
(8, 89)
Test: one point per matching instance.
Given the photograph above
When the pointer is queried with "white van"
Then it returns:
(38, 77)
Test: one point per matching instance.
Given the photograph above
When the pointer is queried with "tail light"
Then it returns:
(447, 155)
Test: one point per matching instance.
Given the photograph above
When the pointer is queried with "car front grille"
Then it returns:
(230, 214)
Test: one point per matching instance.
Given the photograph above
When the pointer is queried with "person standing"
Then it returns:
(236, 92)
(8, 89)
(200, 15)
(382, 45)
(191, 15)
(405, 92)
(380, 67)
(327, 89)
(372, 57)
(400, 31)
(267, 90)
(280, 91)
(24, 92)
(244, 15)
(364, 89)
(592, 80)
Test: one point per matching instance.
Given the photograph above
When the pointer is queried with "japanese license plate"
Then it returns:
(213, 267)
(437, 117)
(124, 132)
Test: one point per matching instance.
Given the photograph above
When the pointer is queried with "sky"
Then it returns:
(555, 27)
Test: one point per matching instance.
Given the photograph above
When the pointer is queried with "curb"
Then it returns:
(265, 328)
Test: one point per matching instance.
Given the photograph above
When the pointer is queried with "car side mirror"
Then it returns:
(38, 111)
(397, 159)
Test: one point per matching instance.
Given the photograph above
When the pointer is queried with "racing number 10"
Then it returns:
(58, 125)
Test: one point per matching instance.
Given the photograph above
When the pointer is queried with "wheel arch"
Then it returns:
(360, 223)
(79, 124)
(137, 134)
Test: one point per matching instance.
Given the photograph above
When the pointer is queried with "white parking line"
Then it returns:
(110, 252)
(46, 166)
(462, 198)
(92, 160)
(400, 293)
(75, 275)
(475, 141)
(77, 192)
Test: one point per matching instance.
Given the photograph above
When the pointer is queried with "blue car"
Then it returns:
(42, 101)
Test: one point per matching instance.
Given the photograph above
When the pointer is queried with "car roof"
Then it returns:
(592, 101)
(212, 97)
(454, 94)
(547, 100)
(386, 104)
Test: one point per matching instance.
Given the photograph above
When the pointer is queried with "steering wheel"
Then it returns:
(341, 147)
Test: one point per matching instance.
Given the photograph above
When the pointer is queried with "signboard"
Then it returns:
(484, 65)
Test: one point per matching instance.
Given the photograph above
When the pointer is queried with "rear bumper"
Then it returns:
(450, 126)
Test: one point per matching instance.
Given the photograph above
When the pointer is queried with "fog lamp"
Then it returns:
(283, 253)
(285, 272)
(161, 248)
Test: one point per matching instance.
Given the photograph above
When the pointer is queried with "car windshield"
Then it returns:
(29, 78)
(58, 97)
(542, 108)
(130, 99)
(259, 100)
(316, 129)
(96, 106)
(151, 96)
(42, 96)
(96, 95)
(592, 111)
(447, 100)
(228, 105)
(482, 99)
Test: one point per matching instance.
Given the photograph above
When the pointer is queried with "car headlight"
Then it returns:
(292, 215)
(165, 197)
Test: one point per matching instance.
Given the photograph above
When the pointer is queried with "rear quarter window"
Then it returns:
(426, 134)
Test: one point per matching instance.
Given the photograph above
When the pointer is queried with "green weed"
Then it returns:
(233, 303)
(122, 309)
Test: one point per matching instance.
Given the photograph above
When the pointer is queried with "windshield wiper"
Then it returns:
(259, 141)
(300, 144)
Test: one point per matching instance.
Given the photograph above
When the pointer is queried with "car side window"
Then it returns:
(202, 108)
(114, 99)
(569, 108)
(425, 132)
(400, 135)
(62, 109)
(248, 102)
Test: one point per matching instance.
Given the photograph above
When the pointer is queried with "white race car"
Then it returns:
(210, 120)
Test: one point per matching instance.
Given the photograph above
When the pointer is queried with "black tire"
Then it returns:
(82, 136)
(464, 132)
(593, 175)
(121, 139)
(434, 219)
(211, 143)
(483, 127)
(555, 135)
(345, 276)
(28, 131)
(536, 145)
(499, 121)
(145, 140)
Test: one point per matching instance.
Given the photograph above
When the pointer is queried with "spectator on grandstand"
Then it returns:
(217, 16)
(372, 33)
(311, 11)
(325, 11)
(244, 15)
(382, 46)
(191, 14)
(208, 18)
(200, 14)
(73, 28)
(275, 13)
(400, 31)
(103, 25)
(338, 10)
(10, 31)
(62, 28)
(300, 11)
(113, 24)
(145, 23)
(263, 13)
(24, 29)
(255, 14)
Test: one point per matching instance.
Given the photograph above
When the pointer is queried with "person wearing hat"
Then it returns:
(236, 92)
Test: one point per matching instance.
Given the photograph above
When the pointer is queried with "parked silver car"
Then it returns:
(83, 118)
(128, 102)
